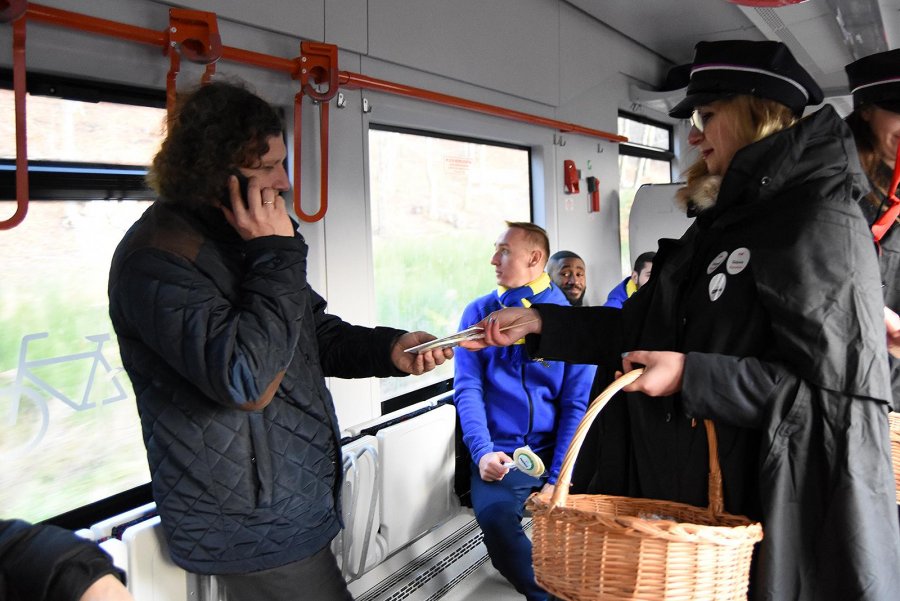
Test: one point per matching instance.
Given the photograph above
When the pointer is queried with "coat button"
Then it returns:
(668, 417)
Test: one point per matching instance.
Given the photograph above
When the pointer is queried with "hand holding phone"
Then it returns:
(242, 185)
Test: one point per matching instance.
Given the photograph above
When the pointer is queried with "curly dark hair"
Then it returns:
(214, 130)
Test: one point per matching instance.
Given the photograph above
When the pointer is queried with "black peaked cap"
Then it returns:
(875, 79)
(742, 67)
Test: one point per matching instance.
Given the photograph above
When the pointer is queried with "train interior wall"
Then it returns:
(543, 57)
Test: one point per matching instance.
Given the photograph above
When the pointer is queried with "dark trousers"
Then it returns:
(498, 508)
(316, 578)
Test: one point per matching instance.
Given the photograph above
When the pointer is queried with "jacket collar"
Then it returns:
(787, 159)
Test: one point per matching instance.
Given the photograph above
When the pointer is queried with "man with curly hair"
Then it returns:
(227, 347)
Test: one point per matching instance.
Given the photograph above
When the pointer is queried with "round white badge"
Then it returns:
(738, 260)
(716, 286)
(714, 264)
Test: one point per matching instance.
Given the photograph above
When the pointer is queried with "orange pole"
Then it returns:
(21, 137)
(355, 80)
(257, 59)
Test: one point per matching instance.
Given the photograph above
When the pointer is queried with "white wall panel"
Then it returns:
(508, 46)
(347, 25)
(302, 18)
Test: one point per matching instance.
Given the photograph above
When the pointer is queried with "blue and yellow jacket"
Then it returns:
(506, 401)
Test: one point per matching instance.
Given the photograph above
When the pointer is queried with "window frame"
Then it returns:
(648, 152)
(436, 389)
(65, 180)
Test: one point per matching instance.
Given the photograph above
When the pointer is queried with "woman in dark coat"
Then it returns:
(875, 123)
(767, 318)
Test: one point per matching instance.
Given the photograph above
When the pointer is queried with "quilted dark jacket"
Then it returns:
(227, 347)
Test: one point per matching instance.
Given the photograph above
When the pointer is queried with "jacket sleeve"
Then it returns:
(591, 335)
(734, 390)
(573, 401)
(349, 351)
(233, 350)
(468, 395)
(46, 563)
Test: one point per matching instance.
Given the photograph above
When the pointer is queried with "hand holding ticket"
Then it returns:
(472, 333)
(448, 341)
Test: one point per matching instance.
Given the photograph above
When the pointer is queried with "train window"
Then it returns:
(645, 159)
(438, 205)
(69, 430)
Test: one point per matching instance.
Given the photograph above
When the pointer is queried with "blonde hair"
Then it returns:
(752, 119)
(535, 234)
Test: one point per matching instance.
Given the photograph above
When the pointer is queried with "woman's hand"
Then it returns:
(504, 327)
(892, 324)
(663, 372)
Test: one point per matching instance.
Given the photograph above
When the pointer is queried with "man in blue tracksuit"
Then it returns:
(506, 401)
(639, 276)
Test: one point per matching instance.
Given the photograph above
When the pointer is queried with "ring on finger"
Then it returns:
(268, 202)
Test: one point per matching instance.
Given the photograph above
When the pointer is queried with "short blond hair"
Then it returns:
(535, 234)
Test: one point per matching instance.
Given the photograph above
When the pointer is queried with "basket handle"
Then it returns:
(561, 491)
(716, 495)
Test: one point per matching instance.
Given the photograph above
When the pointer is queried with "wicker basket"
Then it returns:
(605, 547)
(895, 449)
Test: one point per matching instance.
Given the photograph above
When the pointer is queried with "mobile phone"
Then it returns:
(242, 185)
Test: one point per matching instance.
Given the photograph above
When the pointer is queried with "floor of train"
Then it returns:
(449, 563)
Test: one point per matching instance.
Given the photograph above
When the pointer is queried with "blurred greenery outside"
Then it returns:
(438, 206)
(53, 279)
(86, 454)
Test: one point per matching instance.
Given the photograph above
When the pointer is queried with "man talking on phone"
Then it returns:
(227, 348)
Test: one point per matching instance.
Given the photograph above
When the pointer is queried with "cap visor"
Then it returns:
(684, 108)
(889, 105)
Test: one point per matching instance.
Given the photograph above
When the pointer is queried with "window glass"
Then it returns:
(82, 132)
(645, 159)
(640, 133)
(69, 430)
(438, 206)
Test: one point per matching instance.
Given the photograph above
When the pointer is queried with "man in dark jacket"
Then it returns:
(227, 347)
(40, 562)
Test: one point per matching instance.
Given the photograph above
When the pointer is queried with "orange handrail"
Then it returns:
(318, 63)
(355, 80)
(195, 35)
(322, 71)
(19, 90)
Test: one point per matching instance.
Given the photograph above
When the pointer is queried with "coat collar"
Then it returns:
(765, 169)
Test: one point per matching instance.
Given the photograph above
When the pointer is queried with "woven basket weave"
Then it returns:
(611, 548)
(894, 419)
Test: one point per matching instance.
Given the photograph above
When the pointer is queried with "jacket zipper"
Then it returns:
(530, 406)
